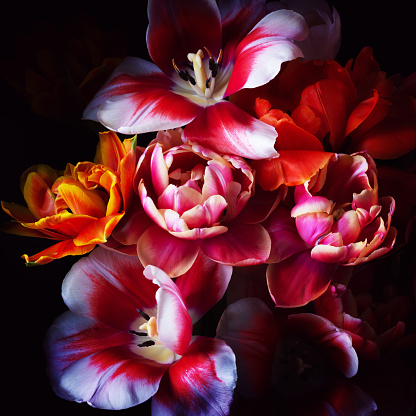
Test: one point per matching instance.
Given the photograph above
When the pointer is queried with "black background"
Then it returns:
(30, 297)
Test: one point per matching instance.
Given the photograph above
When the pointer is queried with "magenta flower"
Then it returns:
(194, 200)
(337, 219)
(203, 51)
(128, 337)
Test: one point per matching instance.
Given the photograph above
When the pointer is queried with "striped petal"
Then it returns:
(259, 55)
(138, 98)
(174, 324)
(200, 383)
(89, 362)
(240, 134)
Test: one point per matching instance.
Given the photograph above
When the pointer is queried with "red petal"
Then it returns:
(291, 167)
(200, 383)
(176, 29)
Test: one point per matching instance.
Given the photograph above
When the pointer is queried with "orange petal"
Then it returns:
(292, 167)
(110, 150)
(65, 224)
(57, 251)
(18, 212)
(98, 231)
(81, 200)
(38, 196)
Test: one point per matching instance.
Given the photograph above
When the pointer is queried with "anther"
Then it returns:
(183, 74)
(140, 334)
(143, 314)
(146, 344)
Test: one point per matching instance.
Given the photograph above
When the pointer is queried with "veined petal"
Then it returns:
(109, 287)
(229, 130)
(241, 245)
(200, 383)
(57, 251)
(88, 362)
(260, 54)
(174, 324)
(207, 214)
(81, 200)
(193, 285)
(138, 98)
(173, 255)
(291, 167)
(176, 29)
(298, 279)
(110, 150)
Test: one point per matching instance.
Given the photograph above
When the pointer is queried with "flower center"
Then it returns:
(201, 82)
(149, 329)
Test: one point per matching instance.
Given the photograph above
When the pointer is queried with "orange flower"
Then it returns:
(81, 207)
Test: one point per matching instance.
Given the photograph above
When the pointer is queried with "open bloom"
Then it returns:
(337, 218)
(203, 51)
(298, 356)
(128, 337)
(192, 200)
(80, 207)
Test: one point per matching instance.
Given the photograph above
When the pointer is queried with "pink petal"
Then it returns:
(217, 176)
(311, 204)
(179, 199)
(174, 324)
(259, 55)
(285, 238)
(193, 285)
(88, 362)
(298, 280)
(249, 328)
(109, 287)
(138, 98)
(176, 29)
(200, 383)
(207, 214)
(240, 133)
(159, 170)
(173, 255)
(348, 226)
(314, 225)
(241, 245)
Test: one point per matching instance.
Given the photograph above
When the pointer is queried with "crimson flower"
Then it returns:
(203, 51)
(128, 337)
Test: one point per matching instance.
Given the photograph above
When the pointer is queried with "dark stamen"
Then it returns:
(146, 344)
(143, 314)
(207, 82)
(190, 78)
(140, 334)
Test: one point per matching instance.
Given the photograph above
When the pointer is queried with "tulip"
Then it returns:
(337, 219)
(203, 52)
(79, 208)
(194, 200)
(128, 337)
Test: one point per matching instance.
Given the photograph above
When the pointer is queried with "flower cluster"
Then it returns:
(236, 261)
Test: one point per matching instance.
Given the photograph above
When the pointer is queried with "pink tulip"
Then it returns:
(337, 219)
(193, 200)
(128, 337)
(203, 51)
